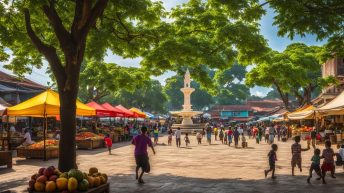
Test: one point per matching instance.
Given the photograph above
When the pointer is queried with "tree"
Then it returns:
(200, 98)
(64, 33)
(322, 18)
(148, 96)
(209, 35)
(296, 71)
(99, 79)
(230, 90)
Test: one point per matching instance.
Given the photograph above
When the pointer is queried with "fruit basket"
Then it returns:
(36, 150)
(52, 180)
(88, 140)
(90, 143)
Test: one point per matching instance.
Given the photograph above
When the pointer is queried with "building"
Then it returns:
(333, 67)
(252, 110)
(14, 90)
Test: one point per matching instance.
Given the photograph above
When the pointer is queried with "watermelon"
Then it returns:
(83, 185)
(77, 174)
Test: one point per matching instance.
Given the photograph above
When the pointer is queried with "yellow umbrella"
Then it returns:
(138, 112)
(46, 104)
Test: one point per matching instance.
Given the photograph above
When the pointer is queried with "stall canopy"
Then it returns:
(150, 115)
(138, 112)
(116, 111)
(100, 110)
(126, 111)
(335, 107)
(307, 112)
(46, 104)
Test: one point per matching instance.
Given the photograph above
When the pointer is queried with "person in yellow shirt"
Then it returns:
(216, 132)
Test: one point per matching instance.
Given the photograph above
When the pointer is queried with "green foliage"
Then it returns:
(148, 96)
(230, 90)
(99, 79)
(322, 18)
(212, 33)
(296, 71)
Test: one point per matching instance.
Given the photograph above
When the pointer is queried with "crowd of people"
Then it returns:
(239, 133)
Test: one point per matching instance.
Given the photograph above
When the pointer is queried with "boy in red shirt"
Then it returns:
(108, 142)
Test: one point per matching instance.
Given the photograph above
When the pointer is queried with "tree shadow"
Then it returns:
(168, 183)
(6, 170)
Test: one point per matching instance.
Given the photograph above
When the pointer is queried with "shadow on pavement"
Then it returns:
(178, 184)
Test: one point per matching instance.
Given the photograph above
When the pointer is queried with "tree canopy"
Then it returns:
(325, 19)
(296, 71)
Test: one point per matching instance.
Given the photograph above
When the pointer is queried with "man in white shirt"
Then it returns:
(178, 134)
(27, 138)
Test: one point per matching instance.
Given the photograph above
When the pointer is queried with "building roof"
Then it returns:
(232, 108)
(6, 78)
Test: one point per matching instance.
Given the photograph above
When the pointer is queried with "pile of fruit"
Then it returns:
(87, 135)
(52, 180)
(49, 144)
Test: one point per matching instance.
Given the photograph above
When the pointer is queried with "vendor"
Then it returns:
(27, 138)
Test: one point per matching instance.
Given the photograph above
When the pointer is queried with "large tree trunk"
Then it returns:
(72, 44)
(67, 145)
(284, 96)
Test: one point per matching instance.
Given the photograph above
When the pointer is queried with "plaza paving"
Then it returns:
(199, 168)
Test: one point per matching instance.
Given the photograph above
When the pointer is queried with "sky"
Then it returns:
(267, 30)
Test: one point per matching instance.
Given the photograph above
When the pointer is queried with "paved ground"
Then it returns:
(199, 168)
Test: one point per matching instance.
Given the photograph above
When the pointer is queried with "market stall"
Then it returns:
(138, 112)
(127, 113)
(89, 140)
(335, 108)
(307, 112)
(46, 104)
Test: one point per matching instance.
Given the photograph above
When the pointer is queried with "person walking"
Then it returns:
(272, 133)
(156, 135)
(170, 133)
(313, 137)
(267, 131)
(216, 132)
(209, 135)
(236, 135)
(141, 143)
(230, 136)
(221, 135)
(178, 135)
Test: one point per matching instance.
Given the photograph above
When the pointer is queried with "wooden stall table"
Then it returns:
(6, 159)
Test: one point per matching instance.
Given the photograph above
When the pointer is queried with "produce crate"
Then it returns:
(90, 144)
(38, 153)
(105, 188)
(6, 159)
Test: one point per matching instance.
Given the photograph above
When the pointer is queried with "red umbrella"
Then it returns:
(100, 111)
(115, 111)
(127, 112)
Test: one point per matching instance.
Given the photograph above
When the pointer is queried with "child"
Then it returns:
(257, 138)
(221, 135)
(186, 138)
(108, 142)
(170, 133)
(199, 137)
(225, 138)
(315, 165)
(244, 142)
(296, 155)
(328, 164)
(272, 160)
